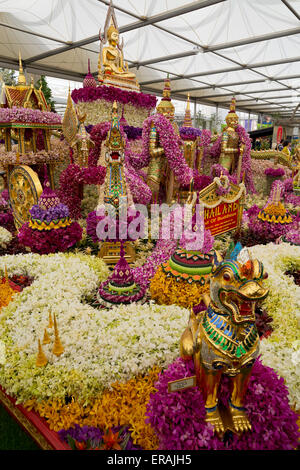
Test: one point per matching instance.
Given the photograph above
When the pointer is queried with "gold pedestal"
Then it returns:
(110, 252)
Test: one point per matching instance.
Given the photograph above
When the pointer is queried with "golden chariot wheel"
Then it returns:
(24, 191)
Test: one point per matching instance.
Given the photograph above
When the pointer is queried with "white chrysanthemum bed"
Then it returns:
(105, 346)
(101, 346)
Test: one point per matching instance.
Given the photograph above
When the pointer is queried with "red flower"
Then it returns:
(111, 441)
(80, 445)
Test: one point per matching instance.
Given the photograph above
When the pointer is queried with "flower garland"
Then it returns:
(170, 143)
(28, 115)
(179, 418)
(99, 349)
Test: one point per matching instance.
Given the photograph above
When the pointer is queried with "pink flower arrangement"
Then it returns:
(71, 183)
(29, 116)
(179, 418)
(112, 94)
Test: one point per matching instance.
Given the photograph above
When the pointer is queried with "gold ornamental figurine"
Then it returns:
(224, 340)
(231, 150)
(158, 171)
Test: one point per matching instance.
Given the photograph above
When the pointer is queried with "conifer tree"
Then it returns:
(46, 90)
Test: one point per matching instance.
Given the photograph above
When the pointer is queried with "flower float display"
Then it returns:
(145, 336)
(50, 228)
(29, 116)
(184, 278)
(179, 418)
(120, 287)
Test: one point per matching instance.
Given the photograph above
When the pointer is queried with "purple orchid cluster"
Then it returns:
(274, 172)
(60, 211)
(189, 133)
(132, 132)
(179, 418)
(28, 115)
(107, 93)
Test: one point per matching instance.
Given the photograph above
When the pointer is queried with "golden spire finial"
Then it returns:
(232, 105)
(58, 348)
(187, 117)
(46, 339)
(50, 324)
(41, 359)
(21, 78)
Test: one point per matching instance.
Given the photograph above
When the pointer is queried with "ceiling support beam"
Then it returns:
(287, 4)
(130, 27)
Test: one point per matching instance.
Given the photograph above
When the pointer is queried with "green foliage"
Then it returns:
(8, 76)
(42, 82)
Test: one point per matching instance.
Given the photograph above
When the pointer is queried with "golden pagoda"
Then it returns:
(23, 95)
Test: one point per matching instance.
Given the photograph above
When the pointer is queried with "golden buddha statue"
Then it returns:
(158, 172)
(231, 152)
(113, 60)
(112, 69)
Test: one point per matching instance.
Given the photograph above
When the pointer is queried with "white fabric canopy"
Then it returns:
(210, 48)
